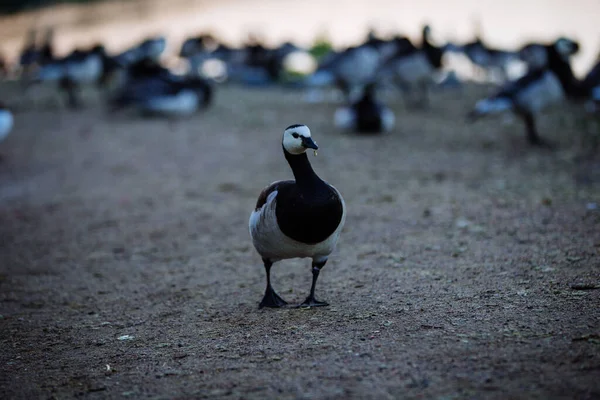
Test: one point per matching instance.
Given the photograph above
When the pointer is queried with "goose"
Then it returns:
(535, 55)
(300, 218)
(164, 95)
(538, 89)
(196, 50)
(487, 59)
(366, 115)
(260, 65)
(6, 121)
(413, 68)
(46, 52)
(150, 48)
(78, 68)
(29, 54)
(349, 70)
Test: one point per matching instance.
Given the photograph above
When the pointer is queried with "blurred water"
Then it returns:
(506, 23)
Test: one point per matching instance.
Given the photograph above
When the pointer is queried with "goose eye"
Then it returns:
(295, 135)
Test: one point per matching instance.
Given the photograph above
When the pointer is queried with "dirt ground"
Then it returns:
(469, 267)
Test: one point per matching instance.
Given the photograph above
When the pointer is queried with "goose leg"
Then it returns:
(310, 300)
(270, 299)
(533, 137)
(70, 88)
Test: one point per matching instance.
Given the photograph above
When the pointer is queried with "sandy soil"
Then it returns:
(469, 266)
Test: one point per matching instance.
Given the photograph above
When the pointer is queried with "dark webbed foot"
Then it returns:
(312, 302)
(272, 300)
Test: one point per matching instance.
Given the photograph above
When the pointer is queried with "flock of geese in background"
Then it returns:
(137, 79)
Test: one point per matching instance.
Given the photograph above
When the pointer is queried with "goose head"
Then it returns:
(296, 139)
(566, 47)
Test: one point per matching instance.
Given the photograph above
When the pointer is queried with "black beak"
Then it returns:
(309, 143)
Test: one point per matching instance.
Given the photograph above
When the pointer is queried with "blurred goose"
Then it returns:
(196, 50)
(165, 96)
(29, 53)
(535, 55)
(489, 60)
(349, 70)
(300, 218)
(6, 121)
(413, 69)
(81, 67)
(150, 49)
(366, 115)
(537, 90)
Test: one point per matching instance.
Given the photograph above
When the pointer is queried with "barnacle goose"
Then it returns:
(535, 55)
(162, 95)
(6, 121)
(489, 60)
(29, 51)
(367, 115)
(297, 218)
(348, 70)
(413, 68)
(81, 67)
(33, 55)
(535, 91)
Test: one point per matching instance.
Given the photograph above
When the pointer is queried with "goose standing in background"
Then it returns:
(413, 69)
(366, 115)
(535, 55)
(489, 61)
(535, 91)
(349, 70)
(71, 72)
(168, 96)
(297, 218)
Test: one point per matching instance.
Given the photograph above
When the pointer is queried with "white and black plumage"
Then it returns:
(367, 115)
(6, 121)
(413, 68)
(535, 91)
(535, 55)
(488, 59)
(349, 70)
(81, 67)
(164, 95)
(300, 218)
(34, 54)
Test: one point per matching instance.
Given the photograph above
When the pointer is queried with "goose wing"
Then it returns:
(263, 196)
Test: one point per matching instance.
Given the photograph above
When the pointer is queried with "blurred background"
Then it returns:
(119, 24)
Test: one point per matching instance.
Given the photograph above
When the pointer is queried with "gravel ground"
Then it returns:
(469, 266)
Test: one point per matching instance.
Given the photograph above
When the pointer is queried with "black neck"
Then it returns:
(563, 71)
(303, 172)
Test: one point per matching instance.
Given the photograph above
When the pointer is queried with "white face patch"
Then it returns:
(292, 139)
